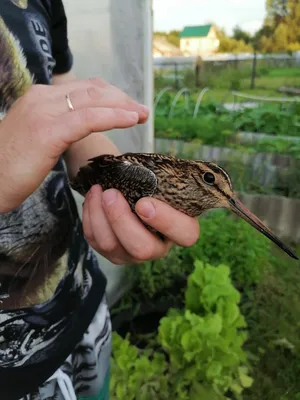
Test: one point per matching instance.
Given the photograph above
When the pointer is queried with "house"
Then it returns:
(162, 48)
(199, 40)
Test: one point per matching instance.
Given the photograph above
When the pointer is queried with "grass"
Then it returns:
(284, 72)
(273, 316)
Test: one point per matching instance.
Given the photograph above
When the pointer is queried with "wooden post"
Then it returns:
(176, 76)
(198, 66)
(253, 73)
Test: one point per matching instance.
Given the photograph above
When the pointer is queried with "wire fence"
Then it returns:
(180, 71)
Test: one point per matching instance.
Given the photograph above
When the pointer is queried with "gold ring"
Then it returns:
(70, 105)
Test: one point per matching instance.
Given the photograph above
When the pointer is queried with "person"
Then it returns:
(60, 347)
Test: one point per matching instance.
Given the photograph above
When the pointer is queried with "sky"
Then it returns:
(175, 14)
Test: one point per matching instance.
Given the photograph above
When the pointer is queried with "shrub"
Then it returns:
(233, 242)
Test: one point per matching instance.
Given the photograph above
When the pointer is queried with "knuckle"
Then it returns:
(117, 260)
(86, 116)
(93, 93)
(142, 253)
(98, 82)
(109, 246)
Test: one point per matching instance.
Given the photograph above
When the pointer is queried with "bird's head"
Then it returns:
(217, 192)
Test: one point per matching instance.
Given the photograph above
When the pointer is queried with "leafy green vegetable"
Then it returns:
(200, 349)
(136, 374)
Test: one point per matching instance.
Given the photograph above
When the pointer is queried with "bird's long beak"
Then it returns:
(242, 211)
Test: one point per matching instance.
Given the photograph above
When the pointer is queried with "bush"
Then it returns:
(233, 242)
(271, 119)
(200, 353)
(210, 129)
(223, 240)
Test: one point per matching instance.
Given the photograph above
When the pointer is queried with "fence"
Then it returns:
(172, 70)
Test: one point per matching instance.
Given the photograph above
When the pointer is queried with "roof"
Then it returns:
(195, 31)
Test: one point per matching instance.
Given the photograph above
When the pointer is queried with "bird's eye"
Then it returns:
(209, 178)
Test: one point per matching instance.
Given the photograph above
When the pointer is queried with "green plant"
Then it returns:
(204, 342)
(136, 374)
(199, 351)
(223, 239)
(273, 315)
(211, 129)
(233, 242)
(270, 118)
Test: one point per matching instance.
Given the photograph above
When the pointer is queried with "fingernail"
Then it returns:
(144, 109)
(146, 210)
(134, 116)
(95, 189)
(109, 197)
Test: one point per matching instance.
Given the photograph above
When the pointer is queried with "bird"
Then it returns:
(190, 186)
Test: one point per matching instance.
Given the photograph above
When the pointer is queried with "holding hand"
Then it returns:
(115, 232)
(41, 125)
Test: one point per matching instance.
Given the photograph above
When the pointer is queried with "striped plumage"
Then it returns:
(191, 187)
(177, 182)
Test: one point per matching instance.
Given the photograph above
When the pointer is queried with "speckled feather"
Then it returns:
(189, 186)
(136, 175)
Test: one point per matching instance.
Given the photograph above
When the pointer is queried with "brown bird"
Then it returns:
(191, 187)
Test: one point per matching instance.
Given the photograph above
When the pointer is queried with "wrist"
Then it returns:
(94, 145)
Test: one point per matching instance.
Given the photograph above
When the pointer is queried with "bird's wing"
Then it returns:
(132, 179)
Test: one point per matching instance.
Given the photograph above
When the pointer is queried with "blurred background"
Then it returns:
(219, 320)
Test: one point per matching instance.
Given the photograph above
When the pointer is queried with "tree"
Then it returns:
(233, 44)
(239, 34)
(281, 27)
(172, 36)
(277, 10)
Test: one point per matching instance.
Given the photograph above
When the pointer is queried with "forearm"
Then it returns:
(93, 145)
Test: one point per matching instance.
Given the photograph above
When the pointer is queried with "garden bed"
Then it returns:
(185, 331)
(254, 137)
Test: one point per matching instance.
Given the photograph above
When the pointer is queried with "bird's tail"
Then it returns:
(15, 78)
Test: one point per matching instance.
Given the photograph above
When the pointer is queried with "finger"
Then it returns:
(104, 239)
(92, 92)
(93, 96)
(136, 239)
(76, 125)
(86, 222)
(178, 227)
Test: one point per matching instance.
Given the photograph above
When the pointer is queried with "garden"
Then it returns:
(221, 319)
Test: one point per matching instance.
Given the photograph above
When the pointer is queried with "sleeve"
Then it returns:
(60, 45)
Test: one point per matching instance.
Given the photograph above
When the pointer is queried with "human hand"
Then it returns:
(117, 234)
(39, 127)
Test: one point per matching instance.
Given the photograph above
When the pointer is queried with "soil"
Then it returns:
(143, 323)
